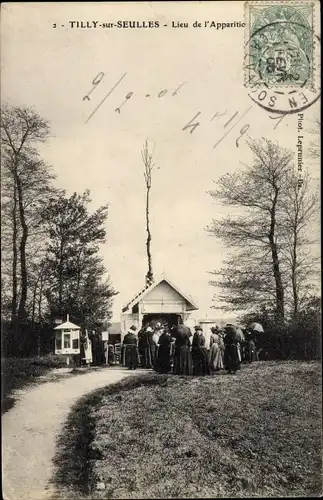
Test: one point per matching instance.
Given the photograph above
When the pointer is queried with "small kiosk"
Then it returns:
(67, 340)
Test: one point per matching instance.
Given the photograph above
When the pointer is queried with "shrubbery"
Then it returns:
(300, 338)
(28, 340)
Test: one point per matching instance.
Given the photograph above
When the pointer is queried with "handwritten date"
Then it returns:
(192, 125)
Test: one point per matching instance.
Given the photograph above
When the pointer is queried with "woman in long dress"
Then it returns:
(88, 350)
(216, 350)
(231, 353)
(199, 353)
(130, 354)
(183, 364)
(141, 346)
(163, 364)
(151, 338)
(240, 343)
(146, 348)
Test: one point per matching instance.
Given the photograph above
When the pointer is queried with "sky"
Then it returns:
(50, 66)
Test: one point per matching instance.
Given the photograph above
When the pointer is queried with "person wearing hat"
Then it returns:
(199, 353)
(163, 361)
(216, 350)
(231, 353)
(130, 354)
(146, 334)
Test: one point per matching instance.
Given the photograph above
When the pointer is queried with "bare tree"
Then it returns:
(256, 192)
(148, 167)
(299, 207)
(314, 149)
(272, 263)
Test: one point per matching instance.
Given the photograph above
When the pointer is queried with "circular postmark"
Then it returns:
(282, 61)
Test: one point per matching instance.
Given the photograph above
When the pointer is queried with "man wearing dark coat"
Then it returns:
(145, 340)
(130, 354)
(183, 364)
(231, 355)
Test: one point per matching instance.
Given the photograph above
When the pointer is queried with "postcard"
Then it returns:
(160, 167)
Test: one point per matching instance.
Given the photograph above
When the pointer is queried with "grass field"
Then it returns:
(153, 436)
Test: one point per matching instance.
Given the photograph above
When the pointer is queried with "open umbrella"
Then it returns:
(256, 327)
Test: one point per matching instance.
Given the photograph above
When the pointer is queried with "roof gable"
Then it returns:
(67, 326)
(163, 291)
(143, 293)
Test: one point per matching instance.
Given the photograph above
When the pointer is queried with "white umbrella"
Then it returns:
(256, 327)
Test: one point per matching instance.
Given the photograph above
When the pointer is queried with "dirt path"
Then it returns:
(30, 429)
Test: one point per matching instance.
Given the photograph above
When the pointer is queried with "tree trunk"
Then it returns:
(295, 222)
(278, 283)
(40, 299)
(33, 309)
(149, 276)
(22, 248)
(275, 263)
(14, 256)
(294, 277)
(60, 284)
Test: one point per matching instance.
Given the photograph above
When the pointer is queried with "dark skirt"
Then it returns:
(251, 352)
(130, 356)
(141, 347)
(163, 364)
(183, 364)
(231, 358)
(146, 358)
(200, 361)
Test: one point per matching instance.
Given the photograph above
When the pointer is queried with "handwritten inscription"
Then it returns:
(193, 124)
(228, 121)
(98, 79)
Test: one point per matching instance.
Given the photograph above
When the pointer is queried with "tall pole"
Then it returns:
(149, 165)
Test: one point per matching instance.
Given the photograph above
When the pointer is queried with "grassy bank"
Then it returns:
(17, 373)
(255, 434)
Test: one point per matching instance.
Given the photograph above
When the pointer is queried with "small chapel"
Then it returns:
(160, 301)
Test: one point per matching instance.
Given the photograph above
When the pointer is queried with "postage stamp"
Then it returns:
(281, 51)
(281, 43)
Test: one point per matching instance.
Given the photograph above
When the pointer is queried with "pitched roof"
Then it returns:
(145, 291)
(67, 326)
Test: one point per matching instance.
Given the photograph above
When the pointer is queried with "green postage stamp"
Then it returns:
(279, 44)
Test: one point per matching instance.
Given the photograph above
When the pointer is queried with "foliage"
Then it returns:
(74, 270)
(145, 439)
(50, 243)
(299, 338)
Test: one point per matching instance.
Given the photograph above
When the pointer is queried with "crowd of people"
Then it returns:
(176, 350)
